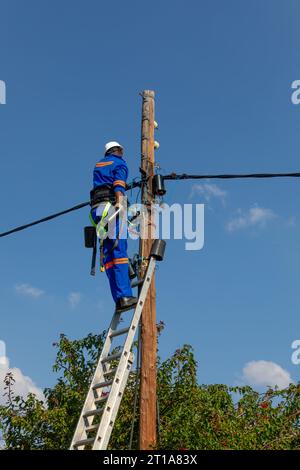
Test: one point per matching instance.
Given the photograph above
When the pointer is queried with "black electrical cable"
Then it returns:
(132, 185)
(135, 184)
(185, 176)
(45, 219)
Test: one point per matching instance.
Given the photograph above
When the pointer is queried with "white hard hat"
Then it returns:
(110, 145)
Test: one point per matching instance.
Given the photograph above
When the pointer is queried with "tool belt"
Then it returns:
(102, 194)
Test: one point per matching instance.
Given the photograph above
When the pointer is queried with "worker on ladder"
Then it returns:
(109, 185)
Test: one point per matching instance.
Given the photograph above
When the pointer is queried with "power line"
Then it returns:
(185, 176)
(135, 184)
(45, 219)
(132, 185)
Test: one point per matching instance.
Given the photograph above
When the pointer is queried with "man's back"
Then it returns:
(112, 171)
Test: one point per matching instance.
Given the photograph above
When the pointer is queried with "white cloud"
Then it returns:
(30, 291)
(266, 373)
(23, 384)
(254, 217)
(74, 299)
(209, 191)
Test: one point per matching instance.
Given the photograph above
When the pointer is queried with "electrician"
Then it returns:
(109, 184)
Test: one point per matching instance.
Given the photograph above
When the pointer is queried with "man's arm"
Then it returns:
(119, 183)
(119, 197)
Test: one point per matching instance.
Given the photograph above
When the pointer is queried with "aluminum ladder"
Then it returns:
(100, 408)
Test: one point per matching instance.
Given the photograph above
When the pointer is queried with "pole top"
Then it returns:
(148, 94)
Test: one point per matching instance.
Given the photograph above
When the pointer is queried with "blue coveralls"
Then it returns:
(112, 171)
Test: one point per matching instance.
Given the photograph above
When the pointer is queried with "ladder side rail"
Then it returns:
(98, 376)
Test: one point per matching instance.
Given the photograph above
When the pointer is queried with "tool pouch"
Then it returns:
(89, 237)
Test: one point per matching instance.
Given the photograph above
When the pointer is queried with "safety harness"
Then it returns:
(106, 196)
(101, 195)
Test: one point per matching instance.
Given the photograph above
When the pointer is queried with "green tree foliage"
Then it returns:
(191, 416)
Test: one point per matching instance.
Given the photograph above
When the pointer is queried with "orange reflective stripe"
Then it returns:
(119, 183)
(103, 164)
(109, 265)
(120, 260)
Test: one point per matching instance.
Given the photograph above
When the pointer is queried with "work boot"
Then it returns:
(125, 303)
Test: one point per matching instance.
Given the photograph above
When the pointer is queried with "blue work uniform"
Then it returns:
(112, 171)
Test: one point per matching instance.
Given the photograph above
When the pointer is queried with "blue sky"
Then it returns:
(222, 72)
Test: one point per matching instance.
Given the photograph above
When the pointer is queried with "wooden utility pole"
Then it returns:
(147, 437)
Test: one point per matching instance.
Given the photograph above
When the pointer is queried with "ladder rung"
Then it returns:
(125, 309)
(112, 357)
(97, 401)
(109, 372)
(102, 384)
(92, 428)
(92, 413)
(84, 442)
(137, 283)
(119, 332)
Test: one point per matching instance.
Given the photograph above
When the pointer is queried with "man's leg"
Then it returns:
(107, 251)
(108, 265)
(120, 268)
(116, 266)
